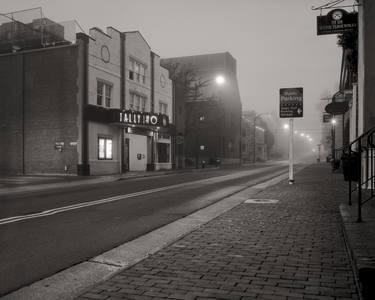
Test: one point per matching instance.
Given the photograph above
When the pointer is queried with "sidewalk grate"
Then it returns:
(261, 201)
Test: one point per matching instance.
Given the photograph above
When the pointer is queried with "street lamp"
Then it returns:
(220, 80)
(333, 144)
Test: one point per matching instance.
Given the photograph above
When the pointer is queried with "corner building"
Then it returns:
(99, 105)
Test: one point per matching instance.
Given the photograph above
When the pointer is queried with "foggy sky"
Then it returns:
(274, 41)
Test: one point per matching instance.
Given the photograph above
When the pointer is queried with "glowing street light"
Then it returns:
(220, 79)
(333, 121)
(286, 126)
(302, 134)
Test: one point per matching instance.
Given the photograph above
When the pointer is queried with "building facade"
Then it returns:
(253, 150)
(100, 105)
(366, 66)
(208, 127)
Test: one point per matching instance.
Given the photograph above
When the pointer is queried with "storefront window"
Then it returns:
(105, 149)
(163, 152)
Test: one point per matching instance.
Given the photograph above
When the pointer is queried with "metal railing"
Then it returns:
(358, 167)
(29, 29)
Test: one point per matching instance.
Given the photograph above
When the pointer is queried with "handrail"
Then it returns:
(358, 166)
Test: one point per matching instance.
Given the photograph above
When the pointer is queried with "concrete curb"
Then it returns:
(74, 281)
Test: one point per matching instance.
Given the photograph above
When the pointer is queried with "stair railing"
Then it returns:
(358, 166)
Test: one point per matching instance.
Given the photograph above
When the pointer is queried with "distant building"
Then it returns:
(101, 105)
(209, 127)
(253, 150)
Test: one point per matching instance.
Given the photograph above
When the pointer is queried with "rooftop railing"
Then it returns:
(29, 29)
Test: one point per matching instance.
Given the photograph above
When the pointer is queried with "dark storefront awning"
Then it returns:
(128, 118)
(339, 104)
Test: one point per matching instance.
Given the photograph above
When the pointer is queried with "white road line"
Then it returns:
(120, 197)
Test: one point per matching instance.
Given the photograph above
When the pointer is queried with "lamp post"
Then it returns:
(333, 145)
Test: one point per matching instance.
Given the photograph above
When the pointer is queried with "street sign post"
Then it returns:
(291, 103)
(291, 106)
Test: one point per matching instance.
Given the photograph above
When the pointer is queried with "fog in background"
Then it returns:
(274, 42)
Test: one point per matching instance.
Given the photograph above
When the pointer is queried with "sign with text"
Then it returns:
(291, 103)
(143, 118)
(125, 117)
(337, 21)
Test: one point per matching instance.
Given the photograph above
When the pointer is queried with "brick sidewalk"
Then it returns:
(293, 249)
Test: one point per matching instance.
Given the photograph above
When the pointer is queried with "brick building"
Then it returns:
(99, 105)
(209, 127)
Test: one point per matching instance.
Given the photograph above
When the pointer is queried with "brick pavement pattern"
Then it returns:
(293, 249)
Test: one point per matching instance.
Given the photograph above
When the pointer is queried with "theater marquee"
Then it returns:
(126, 117)
(142, 118)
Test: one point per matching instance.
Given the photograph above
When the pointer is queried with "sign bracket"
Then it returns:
(334, 4)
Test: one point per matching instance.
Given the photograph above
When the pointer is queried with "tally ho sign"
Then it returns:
(291, 102)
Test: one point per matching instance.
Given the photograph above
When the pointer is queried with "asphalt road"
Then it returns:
(42, 233)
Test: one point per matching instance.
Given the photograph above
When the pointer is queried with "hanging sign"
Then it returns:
(291, 103)
(337, 21)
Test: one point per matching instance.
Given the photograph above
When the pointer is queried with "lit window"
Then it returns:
(103, 94)
(105, 150)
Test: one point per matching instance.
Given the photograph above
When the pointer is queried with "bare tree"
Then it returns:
(187, 84)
